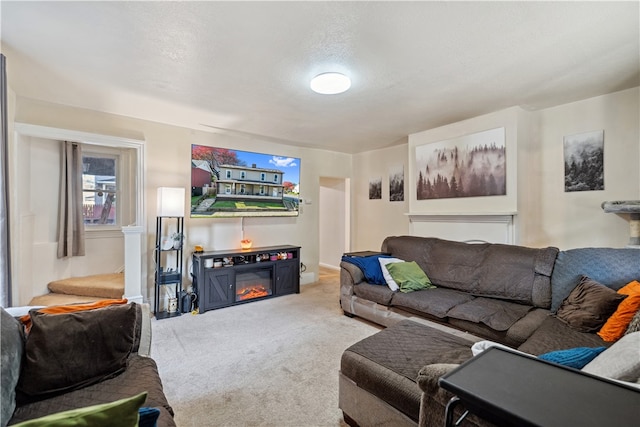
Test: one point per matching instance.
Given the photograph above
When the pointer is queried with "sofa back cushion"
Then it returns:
(68, 351)
(611, 267)
(510, 272)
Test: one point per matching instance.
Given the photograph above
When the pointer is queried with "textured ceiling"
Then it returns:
(244, 67)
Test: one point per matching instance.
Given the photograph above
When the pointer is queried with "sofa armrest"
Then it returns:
(428, 376)
(144, 348)
(350, 274)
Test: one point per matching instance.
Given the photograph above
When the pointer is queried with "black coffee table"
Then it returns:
(510, 389)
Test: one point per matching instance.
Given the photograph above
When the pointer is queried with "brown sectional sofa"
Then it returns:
(502, 293)
(100, 356)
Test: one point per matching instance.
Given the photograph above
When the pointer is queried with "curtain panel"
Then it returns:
(70, 220)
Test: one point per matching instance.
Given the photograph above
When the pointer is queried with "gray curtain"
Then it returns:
(5, 241)
(70, 220)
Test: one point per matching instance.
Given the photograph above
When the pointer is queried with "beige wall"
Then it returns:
(373, 220)
(575, 219)
(546, 215)
(167, 163)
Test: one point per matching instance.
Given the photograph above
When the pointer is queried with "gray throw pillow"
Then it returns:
(69, 351)
(621, 361)
(11, 349)
(634, 325)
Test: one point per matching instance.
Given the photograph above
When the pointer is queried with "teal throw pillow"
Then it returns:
(573, 357)
(148, 417)
(409, 276)
(121, 413)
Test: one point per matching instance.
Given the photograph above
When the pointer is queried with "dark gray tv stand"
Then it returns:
(246, 275)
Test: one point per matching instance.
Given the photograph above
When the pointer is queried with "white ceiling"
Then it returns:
(244, 67)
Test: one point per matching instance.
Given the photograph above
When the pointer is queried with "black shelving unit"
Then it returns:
(168, 264)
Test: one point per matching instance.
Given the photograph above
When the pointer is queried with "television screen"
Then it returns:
(228, 183)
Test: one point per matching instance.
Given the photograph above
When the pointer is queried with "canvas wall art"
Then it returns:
(468, 166)
(396, 183)
(584, 161)
(375, 188)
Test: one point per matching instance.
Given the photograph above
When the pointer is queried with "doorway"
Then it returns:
(334, 220)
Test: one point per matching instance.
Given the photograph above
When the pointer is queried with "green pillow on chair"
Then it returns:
(123, 413)
(409, 276)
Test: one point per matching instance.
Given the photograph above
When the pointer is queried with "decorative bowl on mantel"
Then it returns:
(246, 244)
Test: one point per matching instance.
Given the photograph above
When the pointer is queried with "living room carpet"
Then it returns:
(266, 363)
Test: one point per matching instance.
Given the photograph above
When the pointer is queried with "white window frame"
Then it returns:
(263, 176)
(228, 174)
(275, 177)
(123, 195)
(243, 174)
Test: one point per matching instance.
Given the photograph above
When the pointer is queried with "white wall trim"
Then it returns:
(135, 264)
(497, 227)
(47, 132)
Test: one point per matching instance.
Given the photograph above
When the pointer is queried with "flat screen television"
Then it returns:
(234, 183)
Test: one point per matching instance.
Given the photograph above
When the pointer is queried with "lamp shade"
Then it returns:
(170, 201)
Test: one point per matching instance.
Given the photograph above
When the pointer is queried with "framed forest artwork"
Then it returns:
(584, 161)
(396, 183)
(375, 188)
(468, 166)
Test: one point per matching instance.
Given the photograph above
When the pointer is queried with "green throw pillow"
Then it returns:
(409, 276)
(123, 413)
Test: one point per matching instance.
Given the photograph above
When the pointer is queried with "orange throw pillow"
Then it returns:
(60, 309)
(616, 325)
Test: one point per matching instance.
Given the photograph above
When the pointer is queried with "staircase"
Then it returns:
(82, 289)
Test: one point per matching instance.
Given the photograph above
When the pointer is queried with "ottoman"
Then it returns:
(377, 379)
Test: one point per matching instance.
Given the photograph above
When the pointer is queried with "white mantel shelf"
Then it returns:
(449, 214)
(495, 227)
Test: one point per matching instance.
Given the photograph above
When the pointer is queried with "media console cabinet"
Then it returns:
(230, 277)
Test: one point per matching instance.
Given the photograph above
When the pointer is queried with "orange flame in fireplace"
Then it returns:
(252, 292)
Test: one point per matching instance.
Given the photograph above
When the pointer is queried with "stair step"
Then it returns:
(101, 286)
(61, 299)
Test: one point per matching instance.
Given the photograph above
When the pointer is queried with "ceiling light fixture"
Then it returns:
(330, 83)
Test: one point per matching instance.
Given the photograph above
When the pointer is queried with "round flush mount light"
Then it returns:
(330, 83)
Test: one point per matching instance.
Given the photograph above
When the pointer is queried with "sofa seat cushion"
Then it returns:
(435, 302)
(376, 293)
(387, 363)
(554, 334)
(497, 314)
(141, 375)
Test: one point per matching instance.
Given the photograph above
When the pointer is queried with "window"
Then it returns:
(228, 174)
(100, 188)
(263, 176)
(243, 174)
(275, 178)
(262, 190)
(242, 189)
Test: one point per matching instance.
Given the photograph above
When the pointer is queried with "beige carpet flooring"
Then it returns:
(267, 363)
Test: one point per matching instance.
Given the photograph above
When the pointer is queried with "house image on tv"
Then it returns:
(201, 177)
(249, 182)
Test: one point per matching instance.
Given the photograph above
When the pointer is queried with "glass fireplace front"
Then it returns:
(253, 284)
